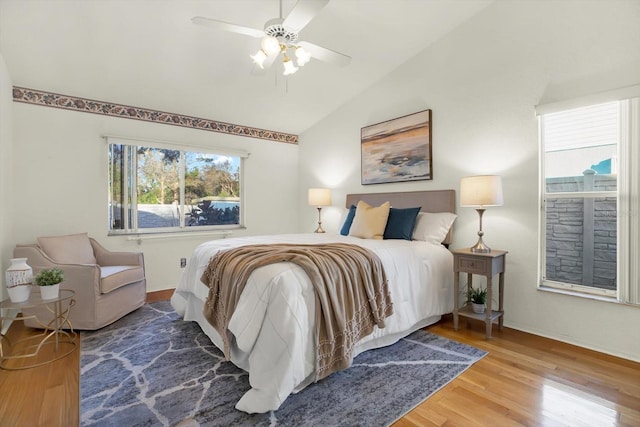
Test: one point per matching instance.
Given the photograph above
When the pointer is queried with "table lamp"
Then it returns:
(480, 192)
(319, 197)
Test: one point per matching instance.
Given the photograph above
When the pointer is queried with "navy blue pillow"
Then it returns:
(401, 223)
(348, 221)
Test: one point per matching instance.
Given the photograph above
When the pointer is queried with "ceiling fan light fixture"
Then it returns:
(302, 56)
(259, 58)
(270, 45)
(289, 68)
(281, 34)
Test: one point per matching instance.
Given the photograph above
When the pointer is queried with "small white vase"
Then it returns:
(50, 292)
(19, 277)
(478, 308)
(19, 293)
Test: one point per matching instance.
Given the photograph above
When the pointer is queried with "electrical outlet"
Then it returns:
(183, 262)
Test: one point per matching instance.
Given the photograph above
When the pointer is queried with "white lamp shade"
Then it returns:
(302, 56)
(289, 68)
(483, 190)
(319, 197)
(270, 45)
(259, 58)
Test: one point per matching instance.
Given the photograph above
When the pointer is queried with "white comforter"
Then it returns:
(274, 320)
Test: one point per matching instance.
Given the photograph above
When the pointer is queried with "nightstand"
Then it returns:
(489, 264)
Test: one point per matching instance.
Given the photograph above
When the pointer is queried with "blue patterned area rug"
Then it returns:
(153, 369)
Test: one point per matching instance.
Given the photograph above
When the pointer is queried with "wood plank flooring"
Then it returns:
(524, 380)
(533, 381)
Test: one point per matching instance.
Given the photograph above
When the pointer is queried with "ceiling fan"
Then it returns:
(280, 37)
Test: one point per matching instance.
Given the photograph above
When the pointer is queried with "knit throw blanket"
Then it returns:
(350, 284)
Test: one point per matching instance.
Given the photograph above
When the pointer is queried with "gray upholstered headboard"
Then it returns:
(429, 201)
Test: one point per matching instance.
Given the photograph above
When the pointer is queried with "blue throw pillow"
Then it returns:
(348, 221)
(401, 223)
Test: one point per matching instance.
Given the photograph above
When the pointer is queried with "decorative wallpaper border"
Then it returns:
(49, 99)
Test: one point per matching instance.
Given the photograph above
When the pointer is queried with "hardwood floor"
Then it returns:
(47, 395)
(524, 380)
(533, 381)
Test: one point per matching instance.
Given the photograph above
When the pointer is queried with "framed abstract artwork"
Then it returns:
(397, 150)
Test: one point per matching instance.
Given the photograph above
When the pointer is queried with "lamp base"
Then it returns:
(480, 247)
(319, 229)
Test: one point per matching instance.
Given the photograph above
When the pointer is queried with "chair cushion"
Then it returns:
(69, 249)
(114, 277)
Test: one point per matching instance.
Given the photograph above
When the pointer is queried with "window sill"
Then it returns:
(577, 294)
(174, 235)
(585, 295)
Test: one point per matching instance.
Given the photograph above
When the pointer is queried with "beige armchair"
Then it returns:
(107, 285)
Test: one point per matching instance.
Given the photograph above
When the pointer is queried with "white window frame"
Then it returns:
(627, 195)
(131, 177)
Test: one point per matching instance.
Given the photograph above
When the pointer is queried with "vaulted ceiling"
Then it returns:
(149, 54)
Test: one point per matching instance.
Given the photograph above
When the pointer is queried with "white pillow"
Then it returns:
(433, 227)
(370, 222)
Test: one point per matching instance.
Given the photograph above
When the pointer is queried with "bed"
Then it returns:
(273, 323)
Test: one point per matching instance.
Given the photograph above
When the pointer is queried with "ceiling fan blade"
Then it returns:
(226, 26)
(302, 13)
(326, 55)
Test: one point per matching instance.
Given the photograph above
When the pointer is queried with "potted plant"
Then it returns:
(49, 281)
(478, 298)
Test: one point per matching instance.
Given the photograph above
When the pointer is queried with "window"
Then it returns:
(156, 189)
(588, 189)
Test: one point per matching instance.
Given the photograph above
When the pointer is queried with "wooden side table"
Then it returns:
(489, 264)
(53, 333)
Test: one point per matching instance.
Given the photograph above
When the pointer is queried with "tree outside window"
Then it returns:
(159, 189)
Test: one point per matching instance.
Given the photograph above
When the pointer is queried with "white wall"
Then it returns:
(6, 170)
(60, 171)
(482, 82)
